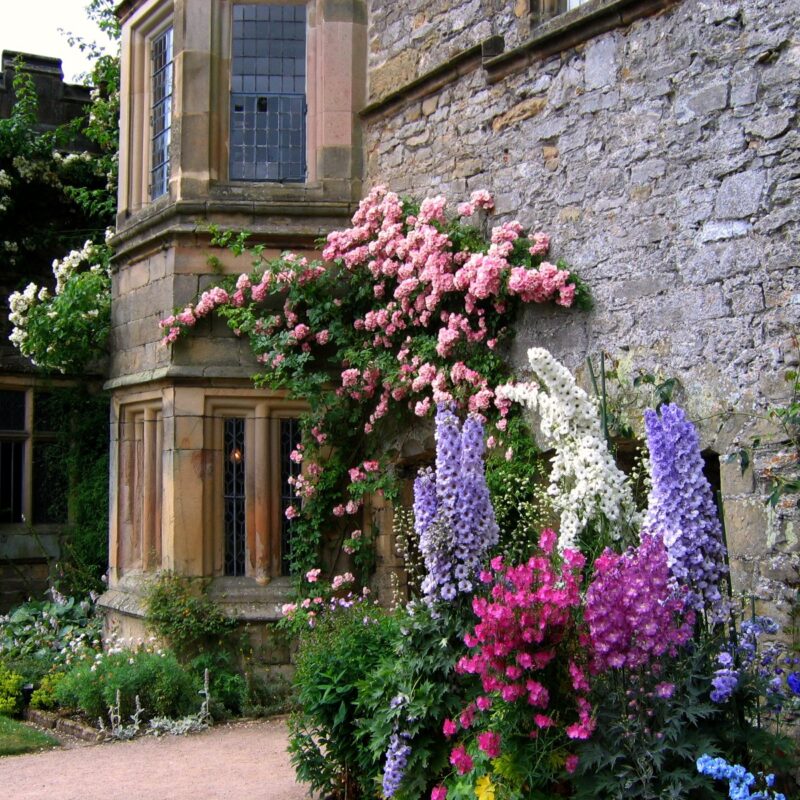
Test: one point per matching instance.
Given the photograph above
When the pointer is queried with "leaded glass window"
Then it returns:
(12, 455)
(268, 93)
(161, 112)
(235, 512)
(290, 438)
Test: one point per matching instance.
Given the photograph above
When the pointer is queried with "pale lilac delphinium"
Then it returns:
(454, 518)
(681, 509)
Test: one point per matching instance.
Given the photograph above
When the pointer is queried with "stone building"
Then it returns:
(655, 140)
(26, 430)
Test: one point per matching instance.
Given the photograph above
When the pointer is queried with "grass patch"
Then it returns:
(16, 738)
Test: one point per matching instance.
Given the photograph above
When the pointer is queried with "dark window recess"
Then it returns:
(161, 112)
(50, 484)
(290, 438)
(47, 413)
(234, 496)
(12, 459)
(268, 100)
(12, 410)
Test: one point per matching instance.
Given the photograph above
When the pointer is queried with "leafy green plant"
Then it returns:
(45, 695)
(10, 691)
(164, 687)
(182, 615)
(413, 689)
(332, 657)
(39, 635)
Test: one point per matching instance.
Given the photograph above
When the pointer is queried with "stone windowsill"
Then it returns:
(241, 598)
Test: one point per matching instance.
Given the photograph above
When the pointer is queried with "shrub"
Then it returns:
(412, 691)
(343, 647)
(266, 698)
(164, 687)
(186, 619)
(228, 688)
(10, 691)
(45, 695)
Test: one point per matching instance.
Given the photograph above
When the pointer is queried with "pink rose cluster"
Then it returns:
(528, 615)
(633, 613)
(415, 267)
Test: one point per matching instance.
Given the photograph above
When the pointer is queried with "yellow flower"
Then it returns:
(484, 788)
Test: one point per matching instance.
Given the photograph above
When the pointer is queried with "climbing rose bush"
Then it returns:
(408, 310)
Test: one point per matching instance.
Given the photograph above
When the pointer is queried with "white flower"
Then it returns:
(585, 483)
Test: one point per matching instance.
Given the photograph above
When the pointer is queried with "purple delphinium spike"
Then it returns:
(454, 515)
(681, 508)
(396, 761)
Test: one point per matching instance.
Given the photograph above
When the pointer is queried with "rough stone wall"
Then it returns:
(408, 39)
(663, 157)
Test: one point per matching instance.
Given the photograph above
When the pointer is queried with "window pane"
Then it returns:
(12, 410)
(268, 67)
(161, 113)
(234, 496)
(290, 438)
(12, 454)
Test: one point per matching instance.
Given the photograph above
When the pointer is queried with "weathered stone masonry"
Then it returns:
(663, 157)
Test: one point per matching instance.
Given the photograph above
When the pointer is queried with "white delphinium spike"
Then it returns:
(586, 485)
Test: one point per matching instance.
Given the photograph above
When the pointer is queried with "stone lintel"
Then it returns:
(207, 376)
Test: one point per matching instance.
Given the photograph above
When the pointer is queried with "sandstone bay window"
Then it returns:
(161, 82)
(268, 93)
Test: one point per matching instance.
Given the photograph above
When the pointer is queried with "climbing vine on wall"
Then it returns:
(408, 309)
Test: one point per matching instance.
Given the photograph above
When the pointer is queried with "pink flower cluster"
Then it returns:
(633, 614)
(414, 265)
(528, 615)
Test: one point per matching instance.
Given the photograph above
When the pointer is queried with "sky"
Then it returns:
(32, 26)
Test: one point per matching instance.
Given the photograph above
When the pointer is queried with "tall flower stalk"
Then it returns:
(586, 486)
(454, 518)
(681, 509)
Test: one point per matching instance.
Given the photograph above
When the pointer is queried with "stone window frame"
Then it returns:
(148, 23)
(568, 30)
(263, 526)
(542, 11)
(136, 506)
(29, 437)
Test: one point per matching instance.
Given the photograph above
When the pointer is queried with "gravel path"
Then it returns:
(241, 761)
